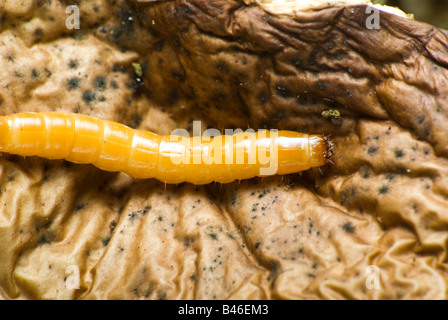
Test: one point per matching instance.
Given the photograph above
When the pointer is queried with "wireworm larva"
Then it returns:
(112, 146)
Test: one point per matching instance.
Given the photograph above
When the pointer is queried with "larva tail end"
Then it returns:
(4, 133)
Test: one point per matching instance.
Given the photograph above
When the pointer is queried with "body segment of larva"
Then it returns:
(173, 159)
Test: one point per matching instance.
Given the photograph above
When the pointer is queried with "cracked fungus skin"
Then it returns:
(230, 64)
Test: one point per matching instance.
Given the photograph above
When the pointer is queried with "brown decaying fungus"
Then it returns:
(230, 64)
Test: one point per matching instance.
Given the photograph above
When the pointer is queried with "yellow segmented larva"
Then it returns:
(112, 146)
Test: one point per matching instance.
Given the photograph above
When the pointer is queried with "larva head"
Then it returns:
(298, 151)
(320, 150)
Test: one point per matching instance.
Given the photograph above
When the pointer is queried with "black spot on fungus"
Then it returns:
(127, 23)
(213, 235)
(45, 238)
(302, 99)
(348, 227)
(188, 241)
(280, 115)
(114, 84)
(184, 9)
(231, 236)
(383, 190)
(113, 225)
(78, 35)
(241, 40)
(399, 153)
(42, 224)
(173, 96)
(106, 240)
(297, 63)
(310, 230)
(88, 97)
(343, 198)
(372, 150)
(390, 176)
(176, 41)
(415, 208)
(100, 83)
(254, 207)
(179, 75)
(283, 92)
(73, 83)
(233, 199)
(35, 73)
(262, 194)
(38, 32)
(420, 119)
(80, 206)
(221, 66)
(73, 64)
(118, 68)
(263, 97)
(257, 244)
(159, 46)
(133, 215)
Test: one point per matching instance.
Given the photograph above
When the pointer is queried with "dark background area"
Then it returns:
(434, 12)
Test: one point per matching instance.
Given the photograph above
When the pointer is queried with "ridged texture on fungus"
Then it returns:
(383, 203)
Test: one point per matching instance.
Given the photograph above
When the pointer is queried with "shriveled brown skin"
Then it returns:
(383, 202)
